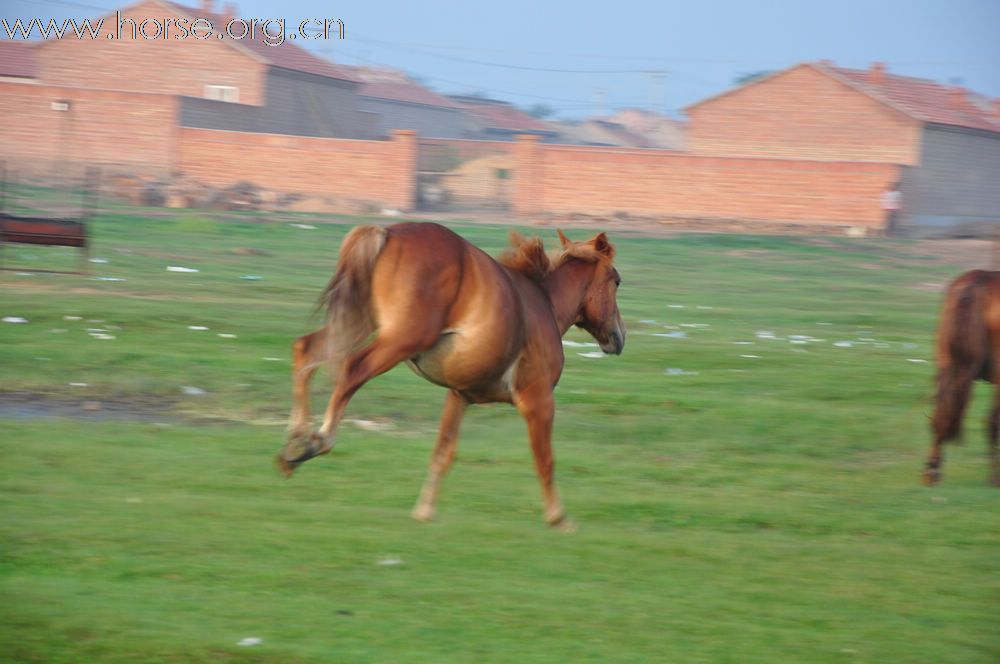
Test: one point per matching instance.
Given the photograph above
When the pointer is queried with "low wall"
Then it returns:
(383, 172)
(557, 179)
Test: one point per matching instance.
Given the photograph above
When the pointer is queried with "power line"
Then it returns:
(501, 65)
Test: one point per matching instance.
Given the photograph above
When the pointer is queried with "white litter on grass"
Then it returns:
(916, 361)
(197, 328)
(371, 425)
(696, 326)
(766, 334)
(192, 391)
(102, 261)
(753, 357)
(592, 356)
(744, 343)
(96, 320)
(95, 330)
(250, 641)
(78, 385)
(843, 344)
(648, 321)
(797, 341)
(308, 227)
(674, 371)
(105, 337)
(867, 340)
(675, 306)
(25, 274)
(109, 279)
(14, 319)
(824, 323)
(799, 337)
(178, 268)
(251, 277)
(577, 344)
(388, 562)
(671, 335)
(72, 318)
(271, 359)
(226, 335)
(704, 308)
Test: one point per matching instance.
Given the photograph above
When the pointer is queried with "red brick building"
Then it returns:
(946, 137)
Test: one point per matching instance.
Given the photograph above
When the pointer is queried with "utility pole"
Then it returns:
(600, 101)
(657, 90)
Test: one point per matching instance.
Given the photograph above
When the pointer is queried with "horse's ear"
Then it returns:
(565, 240)
(603, 246)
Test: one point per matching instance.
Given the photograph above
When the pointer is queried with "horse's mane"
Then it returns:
(528, 256)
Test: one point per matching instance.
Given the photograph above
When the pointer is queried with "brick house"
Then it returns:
(397, 102)
(946, 138)
(242, 85)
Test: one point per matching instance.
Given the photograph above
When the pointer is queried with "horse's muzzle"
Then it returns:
(615, 345)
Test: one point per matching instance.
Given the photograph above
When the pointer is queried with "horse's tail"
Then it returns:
(962, 352)
(347, 298)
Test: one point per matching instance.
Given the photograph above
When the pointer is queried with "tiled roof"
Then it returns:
(405, 91)
(923, 99)
(287, 55)
(503, 116)
(17, 59)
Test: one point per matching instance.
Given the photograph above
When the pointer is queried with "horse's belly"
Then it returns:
(457, 361)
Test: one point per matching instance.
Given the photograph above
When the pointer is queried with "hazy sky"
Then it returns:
(505, 48)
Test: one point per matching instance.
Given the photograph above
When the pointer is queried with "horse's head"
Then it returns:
(598, 312)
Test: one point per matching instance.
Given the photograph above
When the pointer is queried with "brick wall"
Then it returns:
(377, 171)
(803, 114)
(588, 180)
(169, 66)
(133, 131)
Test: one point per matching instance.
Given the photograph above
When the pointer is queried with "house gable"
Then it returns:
(803, 113)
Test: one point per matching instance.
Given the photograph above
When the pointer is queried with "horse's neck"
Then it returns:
(565, 287)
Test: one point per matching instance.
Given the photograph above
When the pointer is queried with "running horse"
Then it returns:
(968, 348)
(487, 330)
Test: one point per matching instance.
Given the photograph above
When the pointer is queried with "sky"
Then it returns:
(581, 58)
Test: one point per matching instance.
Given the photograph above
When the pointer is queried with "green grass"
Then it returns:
(751, 509)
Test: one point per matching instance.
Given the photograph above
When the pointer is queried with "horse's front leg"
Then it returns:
(537, 406)
(444, 453)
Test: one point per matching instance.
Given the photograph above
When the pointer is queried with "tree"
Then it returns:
(747, 77)
(540, 111)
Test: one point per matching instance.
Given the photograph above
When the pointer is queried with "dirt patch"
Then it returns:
(28, 406)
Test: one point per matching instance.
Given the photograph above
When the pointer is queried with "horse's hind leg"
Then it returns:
(308, 353)
(993, 433)
(384, 353)
(444, 453)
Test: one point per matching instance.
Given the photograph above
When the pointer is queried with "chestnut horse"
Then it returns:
(487, 330)
(968, 347)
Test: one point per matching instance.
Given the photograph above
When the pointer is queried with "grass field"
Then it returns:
(746, 489)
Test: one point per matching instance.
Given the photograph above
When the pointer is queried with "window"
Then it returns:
(222, 93)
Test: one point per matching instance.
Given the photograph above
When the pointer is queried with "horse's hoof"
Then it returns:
(567, 525)
(286, 467)
(562, 523)
(931, 476)
(423, 513)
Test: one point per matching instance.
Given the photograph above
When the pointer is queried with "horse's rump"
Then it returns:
(963, 351)
(347, 297)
